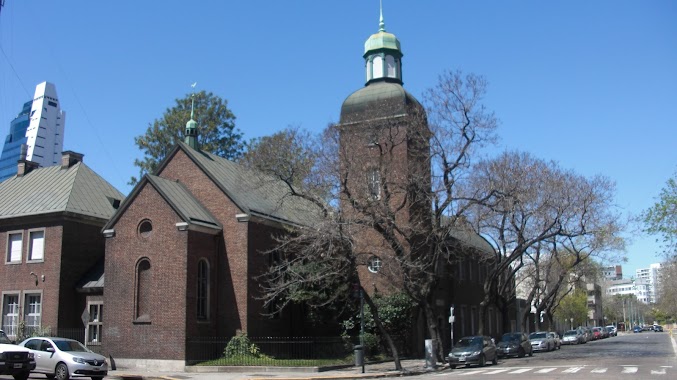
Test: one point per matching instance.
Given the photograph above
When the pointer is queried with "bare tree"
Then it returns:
(530, 204)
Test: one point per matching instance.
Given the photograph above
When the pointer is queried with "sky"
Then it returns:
(591, 85)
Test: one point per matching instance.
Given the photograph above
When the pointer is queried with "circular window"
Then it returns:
(145, 228)
(374, 264)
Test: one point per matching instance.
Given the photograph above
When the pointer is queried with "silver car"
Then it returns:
(541, 341)
(63, 358)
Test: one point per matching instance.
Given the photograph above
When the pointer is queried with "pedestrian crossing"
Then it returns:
(638, 371)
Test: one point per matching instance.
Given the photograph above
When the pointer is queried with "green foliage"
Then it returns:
(574, 306)
(216, 131)
(241, 346)
(661, 218)
(23, 332)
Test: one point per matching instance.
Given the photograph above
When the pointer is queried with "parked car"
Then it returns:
(637, 329)
(587, 334)
(63, 358)
(573, 337)
(541, 341)
(555, 338)
(658, 328)
(16, 360)
(473, 350)
(514, 344)
(613, 330)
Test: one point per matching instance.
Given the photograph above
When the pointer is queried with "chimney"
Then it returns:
(24, 166)
(70, 158)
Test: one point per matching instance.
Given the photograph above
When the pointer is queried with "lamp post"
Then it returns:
(572, 322)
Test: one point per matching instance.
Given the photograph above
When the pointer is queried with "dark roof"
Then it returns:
(183, 202)
(252, 192)
(77, 190)
(378, 100)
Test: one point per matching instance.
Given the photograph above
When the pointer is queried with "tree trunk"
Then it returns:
(384, 333)
(434, 331)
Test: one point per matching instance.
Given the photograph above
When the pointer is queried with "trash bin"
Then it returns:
(359, 355)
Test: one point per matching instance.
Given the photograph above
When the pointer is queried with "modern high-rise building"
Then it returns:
(36, 134)
(652, 277)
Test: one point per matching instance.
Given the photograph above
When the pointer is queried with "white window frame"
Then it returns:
(374, 264)
(94, 323)
(31, 246)
(29, 311)
(8, 256)
(11, 329)
(374, 183)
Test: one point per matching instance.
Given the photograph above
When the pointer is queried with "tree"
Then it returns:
(528, 204)
(318, 261)
(667, 292)
(661, 218)
(216, 131)
(574, 308)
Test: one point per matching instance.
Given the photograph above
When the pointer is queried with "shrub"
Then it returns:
(240, 345)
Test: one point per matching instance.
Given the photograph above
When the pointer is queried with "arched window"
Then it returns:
(202, 289)
(378, 67)
(369, 69)
(143, 286)
(391, 70)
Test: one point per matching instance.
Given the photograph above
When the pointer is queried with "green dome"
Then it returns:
(381, 40)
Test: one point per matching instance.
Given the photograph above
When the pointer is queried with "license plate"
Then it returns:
(18, 365)
(461, 359)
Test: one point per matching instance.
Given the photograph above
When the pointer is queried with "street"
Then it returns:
(640, 356)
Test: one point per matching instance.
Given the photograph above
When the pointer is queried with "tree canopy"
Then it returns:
(216, 131)
(661, 218)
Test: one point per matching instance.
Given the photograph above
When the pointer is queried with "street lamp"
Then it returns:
(572, 322)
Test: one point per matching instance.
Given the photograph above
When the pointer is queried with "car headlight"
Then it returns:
(79, 360)
(31, 355)
(476, 353)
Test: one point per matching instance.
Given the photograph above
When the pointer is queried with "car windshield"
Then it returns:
(570, 332)
(70, 346)
(4, 339)
(510, 338)
(469, 342)
(537, 336)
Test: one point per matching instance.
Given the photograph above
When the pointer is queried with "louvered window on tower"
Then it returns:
(374, 183)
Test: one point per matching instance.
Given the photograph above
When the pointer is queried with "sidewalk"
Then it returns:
(372, 371)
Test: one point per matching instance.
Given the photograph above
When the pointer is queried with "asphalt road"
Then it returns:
(646, 355)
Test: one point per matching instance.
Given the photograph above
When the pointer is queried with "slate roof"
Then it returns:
(254, 192)
(77, 189)
(183, 202)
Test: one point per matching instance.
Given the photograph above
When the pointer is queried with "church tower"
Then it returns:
(384, 157)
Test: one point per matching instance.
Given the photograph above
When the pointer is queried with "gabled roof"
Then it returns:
(177, 196)
(76, 189)
(252, 191)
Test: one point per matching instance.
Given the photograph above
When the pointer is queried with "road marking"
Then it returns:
(493, 372)
(661, 372)
(630, 370)
(599, 370)
(573, 370)
(546, 370)
(521, 370)
(475, 372)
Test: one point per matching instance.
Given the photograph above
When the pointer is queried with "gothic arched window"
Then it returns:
(203, 289)
(143, 287)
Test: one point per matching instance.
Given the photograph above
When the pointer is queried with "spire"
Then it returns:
(191, 125)
(382, 55)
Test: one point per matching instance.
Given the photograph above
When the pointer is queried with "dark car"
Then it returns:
(514, 344)
(473, 350)
(636, 329)
(657, 328)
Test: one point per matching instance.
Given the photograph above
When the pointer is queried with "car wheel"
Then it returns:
(495, 361)
(21, 375)
(452, 366)
(520, 353)
(483, 361)
(61, 372)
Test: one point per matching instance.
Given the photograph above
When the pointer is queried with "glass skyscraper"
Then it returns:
(37, 130)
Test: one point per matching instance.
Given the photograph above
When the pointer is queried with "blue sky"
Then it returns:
(589, 84)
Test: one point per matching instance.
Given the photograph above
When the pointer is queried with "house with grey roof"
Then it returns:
(50, 220)
(183, 253)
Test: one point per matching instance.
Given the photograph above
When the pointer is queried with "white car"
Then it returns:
(63, 358)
